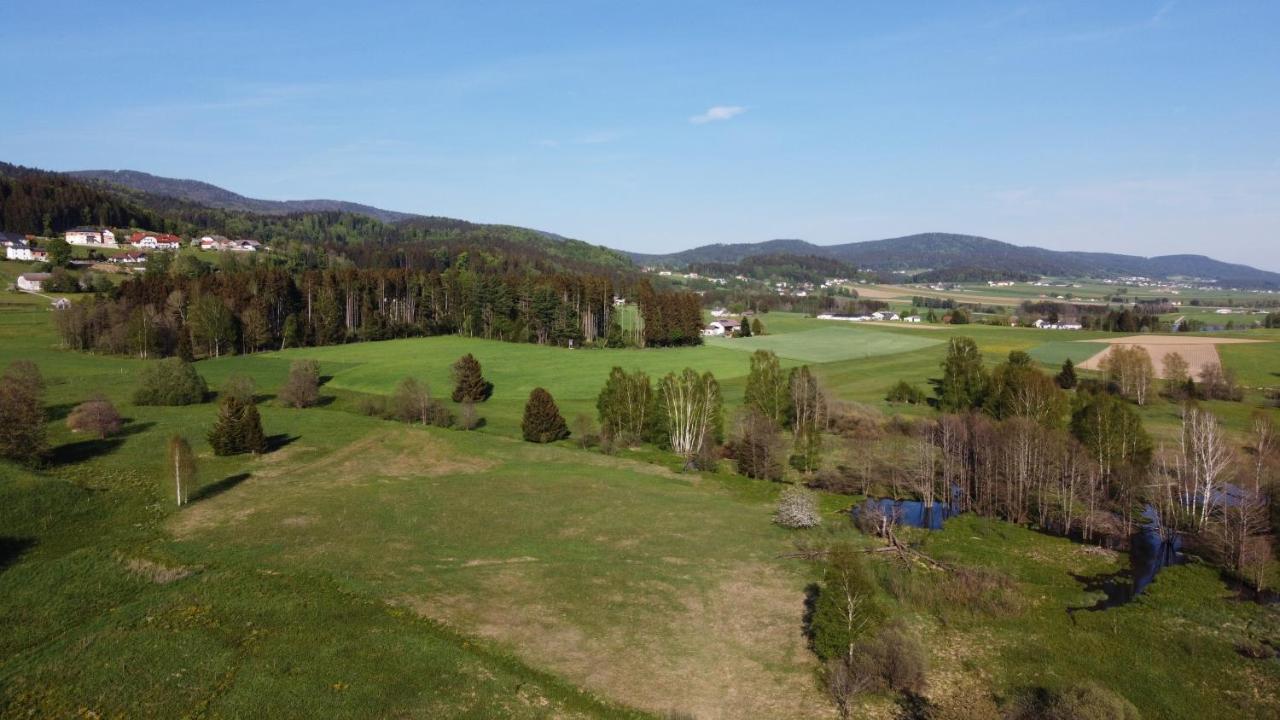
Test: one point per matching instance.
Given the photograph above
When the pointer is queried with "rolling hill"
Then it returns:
(203, 193)
(942, 251)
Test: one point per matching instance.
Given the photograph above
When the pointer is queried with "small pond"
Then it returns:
(915, 513)
(1149, 553)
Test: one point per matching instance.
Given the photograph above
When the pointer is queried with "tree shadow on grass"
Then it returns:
(12, 548)
(59, 411)
(325, 400)
(133, 428)
(213, 489)
(82, 450)
(275, 442)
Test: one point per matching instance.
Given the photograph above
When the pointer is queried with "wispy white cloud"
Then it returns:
(716, 113)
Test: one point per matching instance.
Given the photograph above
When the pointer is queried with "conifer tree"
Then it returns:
(226, 437)
(1066, 379)
(469, 385)
(542, 421)
(252, 438)
(184, 352)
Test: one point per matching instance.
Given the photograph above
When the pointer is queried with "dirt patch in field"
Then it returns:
(156, 572)
(1197, 351)
(736, 651)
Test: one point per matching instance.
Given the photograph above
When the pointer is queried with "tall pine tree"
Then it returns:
(469, 385)
(542, 421)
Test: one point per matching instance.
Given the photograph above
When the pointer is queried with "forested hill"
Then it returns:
(47, 203)
(202, 193)
(938, 252)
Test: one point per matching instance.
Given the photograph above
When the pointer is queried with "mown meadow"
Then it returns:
(367, 568)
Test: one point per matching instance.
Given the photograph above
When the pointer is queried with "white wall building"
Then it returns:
(101, 237)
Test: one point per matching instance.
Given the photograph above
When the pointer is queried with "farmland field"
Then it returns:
(365, 568)
(828, 344)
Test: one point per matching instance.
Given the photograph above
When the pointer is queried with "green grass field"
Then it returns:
(366, 568)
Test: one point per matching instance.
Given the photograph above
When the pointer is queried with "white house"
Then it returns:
(32, 282)
(220, 243)
(130, 258)
(721, 328)
(86, 235)
(884, 315)
(155, 241)
(911, 319)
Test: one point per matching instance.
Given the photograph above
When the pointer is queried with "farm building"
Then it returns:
(720, 328)
(218, 243)
(129, 258)
(155, 241)
(86, 235)
(33, 282)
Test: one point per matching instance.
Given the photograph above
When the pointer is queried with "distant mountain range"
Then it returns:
(919, 254)
(926, 256)
(202, 193)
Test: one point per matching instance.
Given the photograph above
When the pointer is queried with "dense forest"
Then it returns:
(780, 266)
(208, 314)
(47, 203)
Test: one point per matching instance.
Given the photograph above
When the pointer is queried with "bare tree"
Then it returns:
(1130, 367)
(691, 404)
(1199, 467)
(183, 462)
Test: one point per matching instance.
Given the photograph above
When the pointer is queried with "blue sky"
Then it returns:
(1136, 126)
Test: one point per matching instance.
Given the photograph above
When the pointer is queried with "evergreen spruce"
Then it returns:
(744, 330)
(254, 440)
(238, 428)
(184, 352)
(1067, 378)
(469, 385)
(542, 421)
(226, 437)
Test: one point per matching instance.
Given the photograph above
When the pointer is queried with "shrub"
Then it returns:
(239, 386)
(905, 392)
(758, 448)
(542, 422)
(22, 420)
(412, 403)
(1219, 383)
(372, 405)
(846, 604)
(584, 429)
(96, 415)
(302, 388)
(797, 508)
(468, 417)
(469, 385)
(1086, 701)
(896, 657)
(171, 381)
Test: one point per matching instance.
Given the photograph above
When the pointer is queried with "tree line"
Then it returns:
(209, 314)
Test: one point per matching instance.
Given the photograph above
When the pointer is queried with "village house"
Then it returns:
(33, 282)
(884, 315)
(129, 258)
(721, 328)
(85, 235)
(218, 243)
(155, 241)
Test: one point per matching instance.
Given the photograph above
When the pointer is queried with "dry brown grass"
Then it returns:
(156, 572)
(720, 658)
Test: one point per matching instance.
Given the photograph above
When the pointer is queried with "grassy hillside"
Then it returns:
(365, 568)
